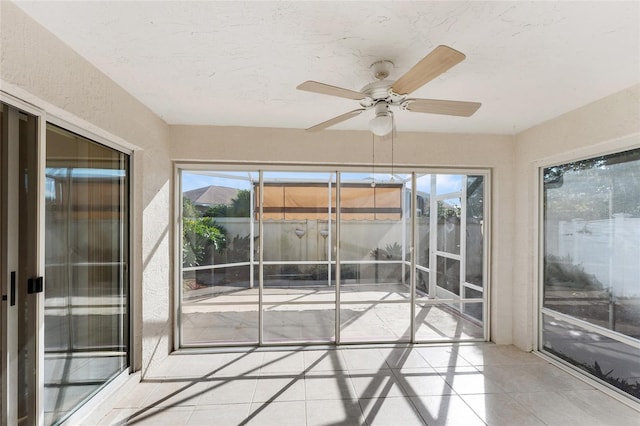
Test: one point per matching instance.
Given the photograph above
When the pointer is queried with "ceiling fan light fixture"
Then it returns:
(382, 123)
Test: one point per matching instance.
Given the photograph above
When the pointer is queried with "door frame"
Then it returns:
(35, 402)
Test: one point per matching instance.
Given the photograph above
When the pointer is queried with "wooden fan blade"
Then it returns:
(327, 89)
(438, 106)
(335, 120)
(435, 63)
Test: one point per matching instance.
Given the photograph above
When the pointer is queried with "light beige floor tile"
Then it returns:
(325, 360)
(440, 410)
(423, 381)
(554, 409)
(605, 409)
(468, 380)
(328, 385)
(532, 378)
(501, 410)
(185, 366)
(364, 359)
(375, 384)
(163, 416)
(228, 391)
(240, 364)
(115, 417)
(282, 361)
(278, 413)
(491, 354)
(219, 415)
(554, 377)
(174, 393)
(280, 387)
(389, 412)
(401, 358)
(331, 412)
(514, 378)
(442, 356)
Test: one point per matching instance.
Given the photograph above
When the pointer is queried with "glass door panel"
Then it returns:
(423, 234)
(19, 264)
(450, 258)
(446, 257)
(220, 300)
(374, 292)
(474, 262)
(86, 307)
(298, 211)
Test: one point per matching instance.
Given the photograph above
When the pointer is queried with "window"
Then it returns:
(591, 291)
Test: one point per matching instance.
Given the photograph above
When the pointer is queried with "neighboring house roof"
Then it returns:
(212, 195)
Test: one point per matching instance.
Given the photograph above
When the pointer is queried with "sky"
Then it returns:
(198, 179)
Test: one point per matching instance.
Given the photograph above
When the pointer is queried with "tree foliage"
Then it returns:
(201, 236)
(239, 206)
(188, 209)
(595, 188)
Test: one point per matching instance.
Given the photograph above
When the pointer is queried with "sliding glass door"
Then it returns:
(86, 307)
(450, 259)
(19, 266)
(297, 239)
(301, 257)
(375, 292)
(219, 292)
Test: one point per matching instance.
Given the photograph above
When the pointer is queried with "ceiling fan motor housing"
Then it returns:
(380, 91)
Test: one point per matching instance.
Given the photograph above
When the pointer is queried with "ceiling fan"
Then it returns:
(383, 94)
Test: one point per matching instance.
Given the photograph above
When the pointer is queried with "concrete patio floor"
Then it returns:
(378, 312)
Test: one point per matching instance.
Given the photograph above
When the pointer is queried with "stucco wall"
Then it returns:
(38, 68)
(607, 125)
(237, 144)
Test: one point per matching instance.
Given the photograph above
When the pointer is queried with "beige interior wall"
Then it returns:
(38, 68)
(291, 146)
(608, 125)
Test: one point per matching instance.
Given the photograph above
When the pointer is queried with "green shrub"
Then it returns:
(200, 235)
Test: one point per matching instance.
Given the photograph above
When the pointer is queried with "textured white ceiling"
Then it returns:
(238, 63)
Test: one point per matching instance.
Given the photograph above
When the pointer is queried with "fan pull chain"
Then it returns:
(393, 131)
(373, 160)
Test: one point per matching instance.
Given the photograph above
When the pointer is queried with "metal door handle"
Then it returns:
(35, 285)
(13, 288)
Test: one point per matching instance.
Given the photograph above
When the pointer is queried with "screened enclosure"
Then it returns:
(279, 256)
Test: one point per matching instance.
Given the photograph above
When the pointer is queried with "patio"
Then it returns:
(305, 312)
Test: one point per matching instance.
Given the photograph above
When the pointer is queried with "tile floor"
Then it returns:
(473, 384)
